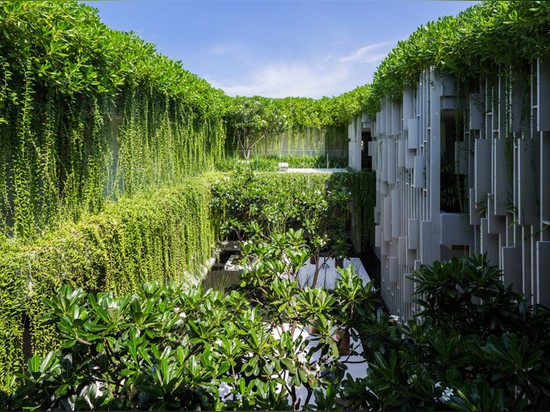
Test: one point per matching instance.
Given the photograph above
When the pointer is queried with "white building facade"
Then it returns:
(464, 170)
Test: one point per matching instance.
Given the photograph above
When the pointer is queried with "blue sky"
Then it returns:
(276, 48)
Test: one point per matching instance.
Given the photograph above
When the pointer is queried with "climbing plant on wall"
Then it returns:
(156, 236)
(88, 114)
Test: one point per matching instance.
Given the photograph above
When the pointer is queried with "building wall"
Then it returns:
(465, 171)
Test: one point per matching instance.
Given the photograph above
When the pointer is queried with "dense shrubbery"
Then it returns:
(166, 234)
(170, 349)
(255, 205)
(250, 205)
(166, 348)
(475, 345)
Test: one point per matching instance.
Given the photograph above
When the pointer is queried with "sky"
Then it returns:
(276, 48)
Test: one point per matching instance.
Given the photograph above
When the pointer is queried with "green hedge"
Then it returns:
(279, 201)
(154, 236)
(89, 114)
(478, 41)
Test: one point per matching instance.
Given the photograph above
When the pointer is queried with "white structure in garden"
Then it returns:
(463, 172)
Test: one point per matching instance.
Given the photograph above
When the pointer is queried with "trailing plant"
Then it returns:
(362, 188)
(89, 114)
(166, 234)
(478, 41)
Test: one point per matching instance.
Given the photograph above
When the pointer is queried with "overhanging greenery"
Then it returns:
(476, 42)
(89, 114)
(152, 236)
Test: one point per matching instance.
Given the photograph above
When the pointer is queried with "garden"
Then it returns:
(123, 173)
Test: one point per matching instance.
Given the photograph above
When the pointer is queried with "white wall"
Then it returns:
(503, 153)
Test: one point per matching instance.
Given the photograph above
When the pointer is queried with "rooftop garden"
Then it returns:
(111, 206)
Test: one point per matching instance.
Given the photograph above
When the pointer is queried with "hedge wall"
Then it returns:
(89, 114)
(153, 236)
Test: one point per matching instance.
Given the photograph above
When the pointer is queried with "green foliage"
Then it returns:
(451, 294)
(247, 204)
(362, 187)
(253, 114)
(166, 234)
(89, 114)
(264, 125)
(65, 46)
(475, 345)
(255, 206)
(164, 348)
(476, 42)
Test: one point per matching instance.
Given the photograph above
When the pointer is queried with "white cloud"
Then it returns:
(327, 75)
(369, 54)
(290, 79)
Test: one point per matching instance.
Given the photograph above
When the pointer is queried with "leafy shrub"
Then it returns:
(253, 205)
(247, 204)
(166, 234)
(474, 345)
(165, 348)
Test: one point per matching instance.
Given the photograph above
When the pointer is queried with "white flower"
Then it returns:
(218, 342)
(394, 318)
(446, 395)
(224, 390)
(437, 385)
(302, 357)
